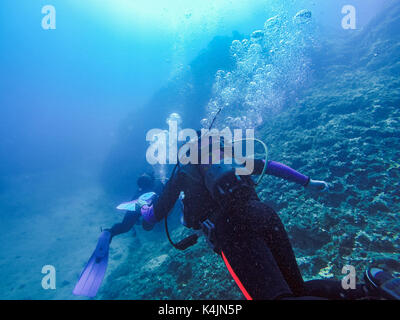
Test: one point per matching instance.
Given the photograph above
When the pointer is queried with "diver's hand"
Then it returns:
(316, 185)
(145, 208)
(140, 204)
(144, 200)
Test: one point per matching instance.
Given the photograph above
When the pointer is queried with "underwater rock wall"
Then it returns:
(343, 129)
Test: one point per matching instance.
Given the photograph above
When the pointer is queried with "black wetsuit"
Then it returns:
(251, 236)
(131, 218)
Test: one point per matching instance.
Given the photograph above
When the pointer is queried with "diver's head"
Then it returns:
(145, 181)
(212, 140)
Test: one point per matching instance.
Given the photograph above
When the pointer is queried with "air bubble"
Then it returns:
(272, 23)
(303, 16)
(257, 36)
(269, 67)
(204, 123)
(236, 46)
(174, 117)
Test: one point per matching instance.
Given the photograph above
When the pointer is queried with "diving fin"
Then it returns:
(128, 206)
(146, 198)
(382, 283)
(93, 274)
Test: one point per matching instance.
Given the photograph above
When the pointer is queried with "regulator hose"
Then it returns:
(265, 156)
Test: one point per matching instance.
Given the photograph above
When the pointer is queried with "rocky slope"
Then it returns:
(344, 128)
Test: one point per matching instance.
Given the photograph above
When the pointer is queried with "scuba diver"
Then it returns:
(245, 232)
(92, 275)
(146, 183)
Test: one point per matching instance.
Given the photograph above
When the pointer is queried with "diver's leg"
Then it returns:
(133, 231)
(264, 221)
(252, 263)
(127, 223)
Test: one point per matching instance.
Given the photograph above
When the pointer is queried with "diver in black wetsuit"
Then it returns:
(94, 271)
(247, 233)
(146, 183)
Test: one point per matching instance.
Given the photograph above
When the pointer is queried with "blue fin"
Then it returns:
(93, 274)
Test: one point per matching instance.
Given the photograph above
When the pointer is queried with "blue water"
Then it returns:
(76, 102)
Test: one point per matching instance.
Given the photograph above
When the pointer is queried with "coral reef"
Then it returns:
(344, 129)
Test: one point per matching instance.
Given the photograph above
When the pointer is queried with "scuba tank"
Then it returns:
(225, 186)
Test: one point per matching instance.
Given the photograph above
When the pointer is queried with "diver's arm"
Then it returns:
(283, 171)
(164, 204)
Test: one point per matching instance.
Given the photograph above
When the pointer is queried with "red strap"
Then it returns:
(236, 278)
